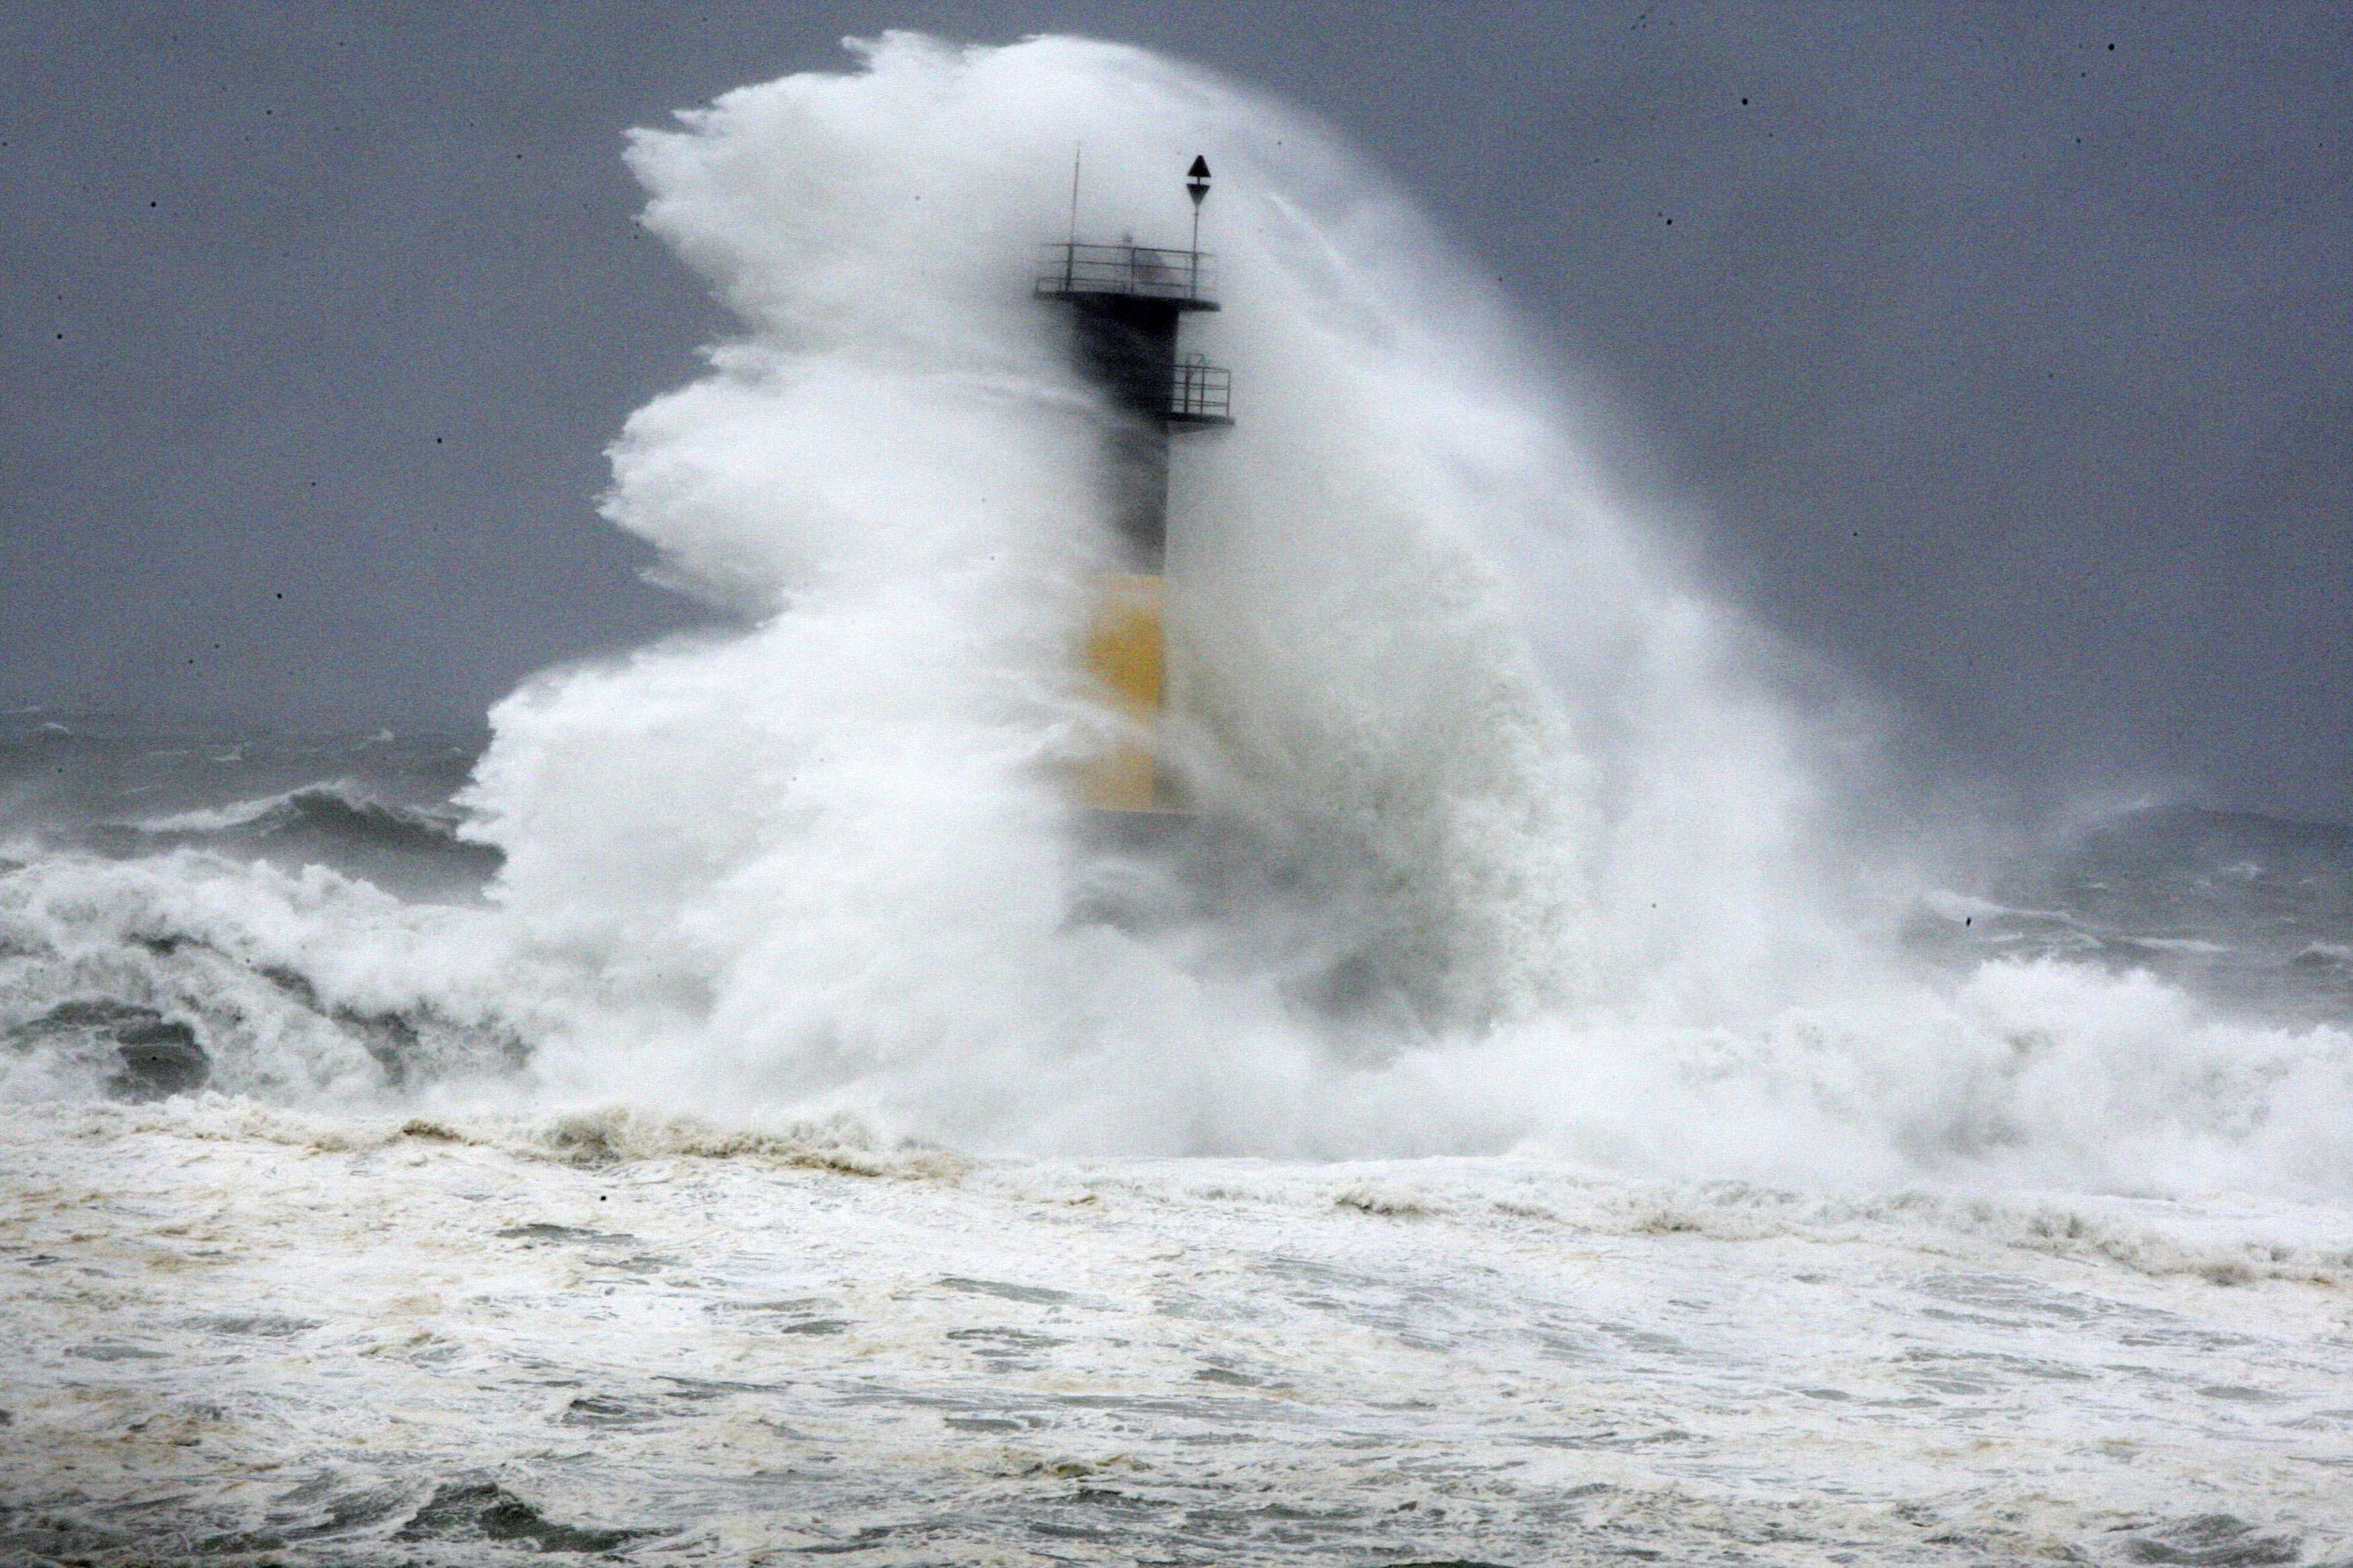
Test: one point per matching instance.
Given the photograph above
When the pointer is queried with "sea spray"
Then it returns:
(1501, 846)
(839, 827)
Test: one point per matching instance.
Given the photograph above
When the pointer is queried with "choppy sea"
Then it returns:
(247, 1332)
(733, 1110)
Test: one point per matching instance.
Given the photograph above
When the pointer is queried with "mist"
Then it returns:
(1990, 359)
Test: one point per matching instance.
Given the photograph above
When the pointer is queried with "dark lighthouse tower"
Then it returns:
(1127, 303)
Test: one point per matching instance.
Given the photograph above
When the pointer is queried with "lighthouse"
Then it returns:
(1127, 303)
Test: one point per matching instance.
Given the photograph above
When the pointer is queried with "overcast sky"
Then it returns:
(2001, 353)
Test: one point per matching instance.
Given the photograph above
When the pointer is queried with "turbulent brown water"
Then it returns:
(729, 1111)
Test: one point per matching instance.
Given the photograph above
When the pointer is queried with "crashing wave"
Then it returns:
(1507, 841)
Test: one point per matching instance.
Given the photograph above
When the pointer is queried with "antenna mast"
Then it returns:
(1196, 185)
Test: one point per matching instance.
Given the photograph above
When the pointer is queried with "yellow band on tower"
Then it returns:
(1126, 654)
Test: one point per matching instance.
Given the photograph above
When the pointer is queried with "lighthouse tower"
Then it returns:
(1126, 304)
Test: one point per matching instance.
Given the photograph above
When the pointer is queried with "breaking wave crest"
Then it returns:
(338, 804)
(336, 824)
(1503, 841)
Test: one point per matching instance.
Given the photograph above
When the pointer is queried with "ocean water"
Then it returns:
(1542, 1110)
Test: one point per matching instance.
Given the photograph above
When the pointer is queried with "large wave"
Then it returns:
(1503, 842)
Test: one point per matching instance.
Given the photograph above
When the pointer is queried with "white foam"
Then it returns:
(295, 1332)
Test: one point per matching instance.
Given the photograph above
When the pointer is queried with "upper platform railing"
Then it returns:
(1141, 271)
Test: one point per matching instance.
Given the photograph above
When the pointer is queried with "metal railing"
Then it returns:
(1201, 392)
(1142, 269)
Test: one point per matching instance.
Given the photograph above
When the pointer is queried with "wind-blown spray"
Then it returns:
(1499, 848)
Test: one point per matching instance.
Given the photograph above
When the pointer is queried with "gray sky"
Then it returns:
(2003, 353)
